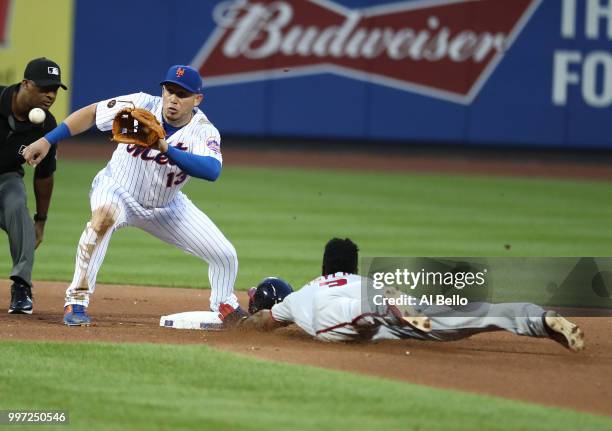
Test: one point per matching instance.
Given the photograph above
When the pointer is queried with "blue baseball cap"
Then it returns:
(184, 76)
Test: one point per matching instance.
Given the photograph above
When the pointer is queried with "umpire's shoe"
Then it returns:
(21, 298)
(76, 315)
(564, 332)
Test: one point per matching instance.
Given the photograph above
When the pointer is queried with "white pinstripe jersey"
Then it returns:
(147, 174)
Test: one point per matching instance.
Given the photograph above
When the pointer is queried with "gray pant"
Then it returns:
(449, 324)
(16, 222)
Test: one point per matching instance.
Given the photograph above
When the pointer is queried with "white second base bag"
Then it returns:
(203, 320)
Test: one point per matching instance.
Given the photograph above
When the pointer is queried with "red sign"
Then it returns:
(5, 16)
(440, 48)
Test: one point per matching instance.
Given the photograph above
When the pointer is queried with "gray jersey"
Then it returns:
(331, 309)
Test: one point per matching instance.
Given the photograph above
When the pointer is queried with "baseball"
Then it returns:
(37, 115)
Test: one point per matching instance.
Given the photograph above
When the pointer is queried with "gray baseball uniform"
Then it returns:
(331, 308)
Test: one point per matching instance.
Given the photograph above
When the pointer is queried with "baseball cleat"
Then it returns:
(231, 316)
(407, 315)
(564, 332)
(76, 315)
(21, 299)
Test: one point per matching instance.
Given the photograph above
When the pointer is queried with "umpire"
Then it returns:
(38, 89)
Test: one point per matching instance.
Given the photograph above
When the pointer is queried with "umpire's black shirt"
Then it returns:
(14, 134)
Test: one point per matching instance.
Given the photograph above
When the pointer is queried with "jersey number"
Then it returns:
(175, 180)
(334, 283)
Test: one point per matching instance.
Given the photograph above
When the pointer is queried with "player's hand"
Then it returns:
(39, 230)
(36, 151)
(261, 321)
(161, 145)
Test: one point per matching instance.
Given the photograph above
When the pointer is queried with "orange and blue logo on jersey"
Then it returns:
(161, 159)
(180, 72)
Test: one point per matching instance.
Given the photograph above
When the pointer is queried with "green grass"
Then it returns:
(156, 387)
(279, 220)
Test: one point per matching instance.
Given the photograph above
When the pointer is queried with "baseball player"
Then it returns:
(142, 188)
(331, 308)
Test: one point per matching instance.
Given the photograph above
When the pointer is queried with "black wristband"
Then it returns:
(38, 217)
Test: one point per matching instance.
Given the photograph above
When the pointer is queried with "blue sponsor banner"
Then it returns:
(486, 72)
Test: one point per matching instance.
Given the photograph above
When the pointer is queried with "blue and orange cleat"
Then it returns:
(76, 315)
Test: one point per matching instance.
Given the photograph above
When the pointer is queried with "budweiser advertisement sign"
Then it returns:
(5, 17)
(439, 48)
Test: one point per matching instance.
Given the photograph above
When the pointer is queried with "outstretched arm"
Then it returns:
(81, 120)
(204, 167)
(77, 122)
(262, 321)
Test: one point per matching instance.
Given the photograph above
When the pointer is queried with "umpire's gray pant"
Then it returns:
(16, 222)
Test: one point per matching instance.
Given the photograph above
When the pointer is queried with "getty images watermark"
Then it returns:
(580, 286)
(404, 278)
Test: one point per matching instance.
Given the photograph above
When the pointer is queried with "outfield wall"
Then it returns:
(484, 72)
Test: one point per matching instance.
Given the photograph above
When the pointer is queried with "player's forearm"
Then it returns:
(75, 123)
(204, 167)
(81, 120)
(261, 321)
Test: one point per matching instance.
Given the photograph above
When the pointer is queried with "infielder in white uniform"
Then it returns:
(332, 308)
(142, 188)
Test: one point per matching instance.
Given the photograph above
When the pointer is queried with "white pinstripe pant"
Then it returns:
(180, 223)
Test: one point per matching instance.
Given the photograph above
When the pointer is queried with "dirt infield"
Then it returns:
(501, 364)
